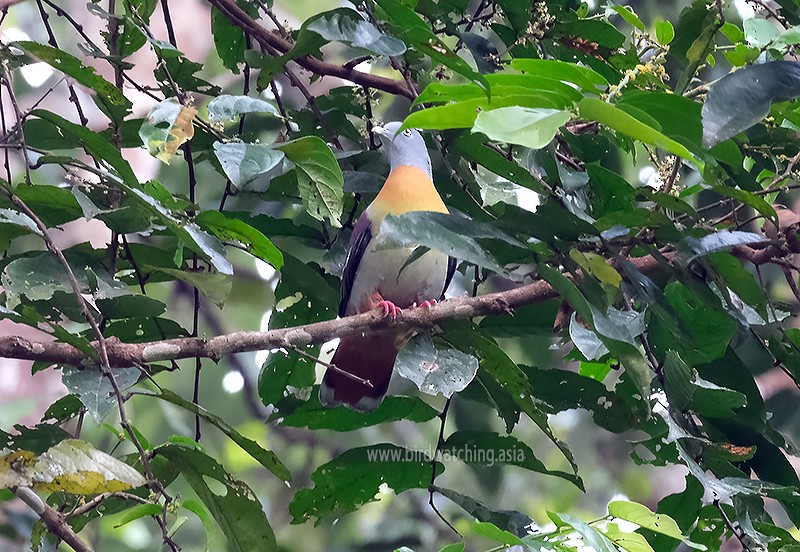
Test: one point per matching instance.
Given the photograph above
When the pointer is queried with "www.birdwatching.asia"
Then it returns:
(467, 454)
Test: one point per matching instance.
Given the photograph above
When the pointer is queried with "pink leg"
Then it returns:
(428, 304)
(389, 308)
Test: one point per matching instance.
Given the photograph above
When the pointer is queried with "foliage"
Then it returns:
(656, 306)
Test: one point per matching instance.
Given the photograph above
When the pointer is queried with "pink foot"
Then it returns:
(389, 308)
(428, 304)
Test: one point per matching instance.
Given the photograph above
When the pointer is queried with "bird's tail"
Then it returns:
(368, 357)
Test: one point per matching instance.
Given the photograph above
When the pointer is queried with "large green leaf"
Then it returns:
(511, 385)
(266, 458)
(614, 117)
(348, 26)
(486, 449)
(226, 107)
(742, 98)
(586, 78)
(532, 128)
(244, 162)
(233, 504)
(100, 148)
(312, 415)
(226, 228)
(455, 235)
(435, 369)
(116, 104)
(414, 31)
(512, 521)
(355, 477)
(697, 330)
(319, 177)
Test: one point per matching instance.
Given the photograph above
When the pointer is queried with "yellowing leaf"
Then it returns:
(73, 466)
(596, 266)
(168, 127)
(12, 464)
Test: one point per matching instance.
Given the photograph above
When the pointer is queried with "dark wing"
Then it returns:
(451, 269)
(359, 240)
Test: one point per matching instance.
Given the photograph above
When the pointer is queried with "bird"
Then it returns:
(376, 277)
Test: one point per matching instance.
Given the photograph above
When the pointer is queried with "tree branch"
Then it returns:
(129, 354)
(55, 521)
(270, 40)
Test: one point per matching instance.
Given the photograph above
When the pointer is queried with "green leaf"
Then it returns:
(749, 198)
(100, 148)
(596, 266)
(608, 409)
(355, 477)
(256, 243)
(229, 39)
(188, 232)
(486, 449)
(454, 235)
(348, 26)
(642, 516)
(532, 128)
(627, 13)
(413, 30)
(434, 369)
(473, 148)
(463, 114)
(226, 107)
(759, 32)
(512, 521)
(112, 98)
(137, 512)
(312, 415)
(742, 98)
(586, 78)
(592, 538)
(116, 301)
(214, 285)
(492, 532)
(266, 458)
(687, 391)
(694, 328)
(511, 386)
(665, 32)
(531, 320)
(205, 517)
(719, 241)
(319, 177)
(302, 296)
(503, 85)
(615, 118)
(95, 390)
(789, 37)
(244, 162)
(236, 508)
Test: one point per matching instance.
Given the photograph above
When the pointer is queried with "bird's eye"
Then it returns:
(407, 132)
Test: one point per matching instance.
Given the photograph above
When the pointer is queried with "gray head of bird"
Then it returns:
(405, 147)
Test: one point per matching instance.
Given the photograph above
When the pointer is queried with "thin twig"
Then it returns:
(440, 442)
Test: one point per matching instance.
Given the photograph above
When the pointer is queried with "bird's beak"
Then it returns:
(379, 130)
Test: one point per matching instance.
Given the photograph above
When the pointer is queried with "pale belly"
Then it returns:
(383, 271)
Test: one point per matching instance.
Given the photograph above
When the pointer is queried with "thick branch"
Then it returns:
(128, 354)
(55, 521)
(270, 40)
